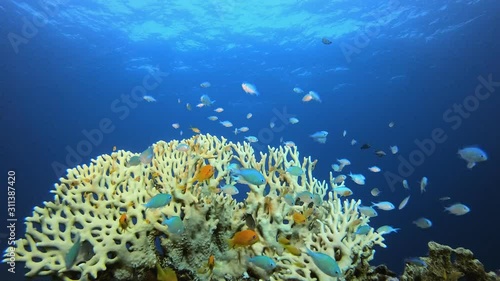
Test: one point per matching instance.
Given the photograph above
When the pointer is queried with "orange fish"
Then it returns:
(243, 238)
(195, 130)
(123, 222)
(205, 173)
(299, 218)
(211, 262)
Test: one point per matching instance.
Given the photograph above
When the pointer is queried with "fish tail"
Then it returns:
(235, 172)
(194, 179)
(78, 238)
(230, 242)
(309, 252)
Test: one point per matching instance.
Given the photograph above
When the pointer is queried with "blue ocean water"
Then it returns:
(70, 70)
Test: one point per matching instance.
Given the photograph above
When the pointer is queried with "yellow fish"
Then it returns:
(195, 130)
(165, 274)
(292, 250)
(299, 218)
(283, 240)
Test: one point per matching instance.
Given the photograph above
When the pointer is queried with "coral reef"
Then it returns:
(103, 206)
(447, 264)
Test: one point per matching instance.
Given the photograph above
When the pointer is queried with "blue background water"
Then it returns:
(423, 58)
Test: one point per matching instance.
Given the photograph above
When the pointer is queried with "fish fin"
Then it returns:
(471, 165)
(243, 181)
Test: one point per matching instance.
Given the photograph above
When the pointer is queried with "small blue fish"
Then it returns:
(133, 161)
(289, 199)
(306, 197)
(363, 229)
(416, 261)
(472, 155)
(263, 262)
(175, 225)
(206, 101)
(368, 211)
(71, 255)
(147, 156)
(159, 200)
(182, 147)
(249, 88)
(230, 189)
(295, 171)
(457, 209)
(423, 223)
(149, 98)
(320, 134)
(248, 176)
(325, 263)
(317, 199)
(386, 229)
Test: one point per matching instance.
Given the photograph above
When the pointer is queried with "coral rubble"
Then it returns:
(447, 264)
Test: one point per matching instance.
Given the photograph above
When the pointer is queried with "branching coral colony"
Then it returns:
(132, 222)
